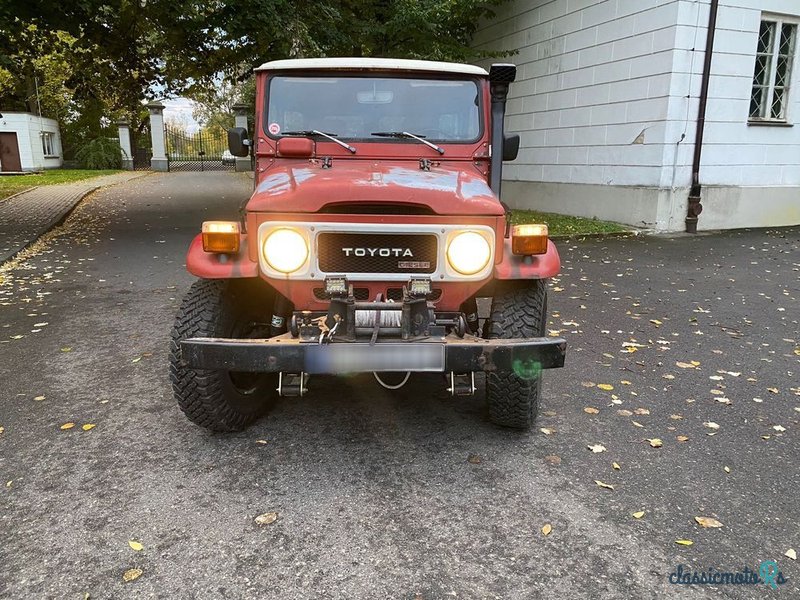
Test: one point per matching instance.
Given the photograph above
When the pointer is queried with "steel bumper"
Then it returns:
(436, 354)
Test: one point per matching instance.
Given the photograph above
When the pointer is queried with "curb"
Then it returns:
(57, 220)
(14, 195)
(594, 236)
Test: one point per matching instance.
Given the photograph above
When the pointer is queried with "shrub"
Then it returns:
(100, 153)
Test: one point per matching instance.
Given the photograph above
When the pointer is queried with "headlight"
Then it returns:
(468, 252)
(285, 250)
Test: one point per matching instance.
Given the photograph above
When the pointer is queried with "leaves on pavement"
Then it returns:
(266, 518)
(136, 546)
(131, 575)
(546, 529)
(708, 522)
(607, 486)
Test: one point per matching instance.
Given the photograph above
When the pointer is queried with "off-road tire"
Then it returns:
(210, 398)
(519, 310)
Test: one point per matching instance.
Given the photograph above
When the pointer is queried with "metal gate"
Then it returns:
(205, 150)
(141, 147)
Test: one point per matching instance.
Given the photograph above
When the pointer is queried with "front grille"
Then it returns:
(396, 294)
(360, 293)
(377, 253)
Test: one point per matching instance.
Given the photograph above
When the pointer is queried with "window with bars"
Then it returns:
(48, 143)
(777, 40)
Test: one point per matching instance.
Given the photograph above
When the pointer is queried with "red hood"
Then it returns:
(447, 189)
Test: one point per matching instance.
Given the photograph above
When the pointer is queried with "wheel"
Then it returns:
(519, 310)
(221, 400)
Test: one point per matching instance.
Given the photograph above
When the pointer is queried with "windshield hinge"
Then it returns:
(327, 163)
(425, 164)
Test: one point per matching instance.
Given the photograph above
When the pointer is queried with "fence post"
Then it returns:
(159, 161)
(240, 111)
(124, 129)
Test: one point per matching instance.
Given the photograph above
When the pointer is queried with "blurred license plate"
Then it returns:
(361, 358)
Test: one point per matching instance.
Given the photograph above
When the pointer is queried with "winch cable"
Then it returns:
(392, 387)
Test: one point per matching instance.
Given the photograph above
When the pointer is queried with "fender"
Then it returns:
(207, 265)
(542, 266)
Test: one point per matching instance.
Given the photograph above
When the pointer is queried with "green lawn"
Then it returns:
(11, 184)
(566, 225)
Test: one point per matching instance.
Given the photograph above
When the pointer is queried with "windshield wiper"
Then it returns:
(405, 134)
(329, 136)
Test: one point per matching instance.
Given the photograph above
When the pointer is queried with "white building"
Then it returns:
(29, 142)
(606, 102)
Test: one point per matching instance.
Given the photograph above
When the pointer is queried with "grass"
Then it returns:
(12, 184)
(564, 225)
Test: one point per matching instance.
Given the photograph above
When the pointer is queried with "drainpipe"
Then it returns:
(695, 208)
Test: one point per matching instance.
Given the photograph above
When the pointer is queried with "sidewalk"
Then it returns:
(24, 218)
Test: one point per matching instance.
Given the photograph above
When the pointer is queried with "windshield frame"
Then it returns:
(433, 76)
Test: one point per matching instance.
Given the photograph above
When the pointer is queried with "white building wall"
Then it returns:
(28, 128)
(606, 89)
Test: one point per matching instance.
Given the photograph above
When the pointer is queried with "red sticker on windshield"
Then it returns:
(274, 128)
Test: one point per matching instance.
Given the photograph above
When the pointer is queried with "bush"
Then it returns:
(100, 153)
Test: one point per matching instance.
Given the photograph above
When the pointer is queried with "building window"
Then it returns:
(777, 41)
(48, 143)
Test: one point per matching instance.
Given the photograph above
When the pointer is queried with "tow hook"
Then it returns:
(292, 384)
(462, 384)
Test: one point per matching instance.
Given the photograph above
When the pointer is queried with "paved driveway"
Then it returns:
(409, 494)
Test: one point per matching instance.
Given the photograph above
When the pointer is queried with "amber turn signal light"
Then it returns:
(221, 237)
(529, 239)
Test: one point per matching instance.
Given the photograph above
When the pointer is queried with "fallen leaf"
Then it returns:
(695, 363)
(676, 417)
(66, 349)
(607, 486)
(779, 428)
(656, 322)
(131, 574)
(39, 398)
(641, 411)
(137, 359)
(587, 384)
(261, 441)
(135, 545)
(668, 376)
(716, 378)
(797, 351)
(723, 400)
(2, 429)
(605, 386)
(591, 410)
(625, 382)
(615, 466)
(758, 400)
(547, 430)
(684, 542)
(68, 426)
(638, 514)
(624, 413)
(682, 438)
(637, 424)
(764, 437)
(773, 390)
(597, 448)
(655, 442)
(552, 459)
(88, 426)
(727, 469)
(684, 365)
(708, 522)
(791, 554)
(266, 518)
(711, 425)
(474, 459)
(547, 529)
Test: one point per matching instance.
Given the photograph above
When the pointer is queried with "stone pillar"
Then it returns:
(124, 129)
(240, 112)
(159, 161)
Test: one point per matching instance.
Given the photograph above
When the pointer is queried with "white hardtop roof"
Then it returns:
(381, 64)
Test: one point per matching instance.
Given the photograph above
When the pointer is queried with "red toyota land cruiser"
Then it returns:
(374, 226)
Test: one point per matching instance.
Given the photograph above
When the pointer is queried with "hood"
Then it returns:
(447, 189)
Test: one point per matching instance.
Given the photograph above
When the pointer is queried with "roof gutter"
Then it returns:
(695, 208)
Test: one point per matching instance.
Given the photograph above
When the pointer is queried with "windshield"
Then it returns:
(358, 108)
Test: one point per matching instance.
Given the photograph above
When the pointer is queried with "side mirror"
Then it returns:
(238, 141)
(510, 146)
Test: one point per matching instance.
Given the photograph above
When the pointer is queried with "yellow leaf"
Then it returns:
(131, 574)
(708, 522)
(676, 417)
(591, 410)
(266, 518)
(88, 426)
(39, 398)
(596, 448)
(68, 426)
(547, 431)
(587, 384)
(607, 486)
(547, 529)
(656, 322)
(2, 429)
(630, 349)
(625, 382)
(711, 425)
(261, 441)
(605, 386)
(727, 469)
(615, 466)
(67, 349)
(638, 515)
(684, 365)
(773, 390)
(682, 438)
(791, 554)
(135, 545)
(684, 542)
(797, 351)
(655, 442)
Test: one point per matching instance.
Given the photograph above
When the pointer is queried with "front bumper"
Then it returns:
(286, 354)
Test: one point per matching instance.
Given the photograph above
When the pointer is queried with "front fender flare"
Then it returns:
(540, 266)
(208, 265)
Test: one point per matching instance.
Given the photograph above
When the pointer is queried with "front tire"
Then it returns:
(519, 310)
(214, 399)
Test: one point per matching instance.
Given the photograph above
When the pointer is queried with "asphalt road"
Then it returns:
(407, 494)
